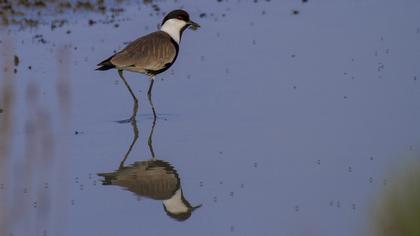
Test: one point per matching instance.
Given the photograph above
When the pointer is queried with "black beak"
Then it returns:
(196, 207)
(193, 25)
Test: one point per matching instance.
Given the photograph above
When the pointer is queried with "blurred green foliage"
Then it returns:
(398, 211)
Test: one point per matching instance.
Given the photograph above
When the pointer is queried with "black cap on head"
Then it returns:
(177, 14)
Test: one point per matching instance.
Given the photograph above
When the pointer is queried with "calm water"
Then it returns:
(278, 118)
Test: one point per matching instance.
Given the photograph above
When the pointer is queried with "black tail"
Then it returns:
(106, 64)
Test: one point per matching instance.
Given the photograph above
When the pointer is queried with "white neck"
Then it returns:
(175, 204)
(173, 27)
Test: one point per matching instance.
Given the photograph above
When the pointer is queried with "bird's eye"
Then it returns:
(179, 17)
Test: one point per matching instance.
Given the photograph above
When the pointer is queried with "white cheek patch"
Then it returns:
(173, 28)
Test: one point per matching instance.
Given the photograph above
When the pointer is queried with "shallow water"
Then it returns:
(277, 123)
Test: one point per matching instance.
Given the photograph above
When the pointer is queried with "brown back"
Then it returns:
(151, 52)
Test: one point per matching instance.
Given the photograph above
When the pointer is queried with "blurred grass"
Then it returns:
(7, 96)
(397, 212)
(6, 99)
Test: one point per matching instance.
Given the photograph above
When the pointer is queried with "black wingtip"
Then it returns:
(106, 64)
(105, 67)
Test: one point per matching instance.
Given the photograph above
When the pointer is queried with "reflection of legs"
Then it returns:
(149, 95)
(136, 136)
(136, 102)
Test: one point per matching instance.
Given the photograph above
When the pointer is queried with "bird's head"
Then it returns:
(179, 20)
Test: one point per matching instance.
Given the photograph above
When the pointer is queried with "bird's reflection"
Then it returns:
(154, 179)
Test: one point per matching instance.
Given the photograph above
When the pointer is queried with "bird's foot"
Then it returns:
(129, 120)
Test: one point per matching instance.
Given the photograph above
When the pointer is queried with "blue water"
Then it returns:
(277, 123)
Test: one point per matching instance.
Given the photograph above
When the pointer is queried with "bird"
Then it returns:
(151, 54)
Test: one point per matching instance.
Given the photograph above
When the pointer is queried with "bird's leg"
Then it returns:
(149, 141)
(149, 96)
(136, 102)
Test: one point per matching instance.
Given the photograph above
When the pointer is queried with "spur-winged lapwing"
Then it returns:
(153, 53)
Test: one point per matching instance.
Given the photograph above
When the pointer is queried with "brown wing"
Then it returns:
(148, 53)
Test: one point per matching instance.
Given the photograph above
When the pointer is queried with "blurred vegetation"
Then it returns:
(26, 161)
(398, 210)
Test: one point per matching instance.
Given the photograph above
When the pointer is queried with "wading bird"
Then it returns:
(151, 54)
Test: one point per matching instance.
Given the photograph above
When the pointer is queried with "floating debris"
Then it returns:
(16, 60)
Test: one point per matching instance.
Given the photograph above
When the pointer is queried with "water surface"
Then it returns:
(278, 118)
